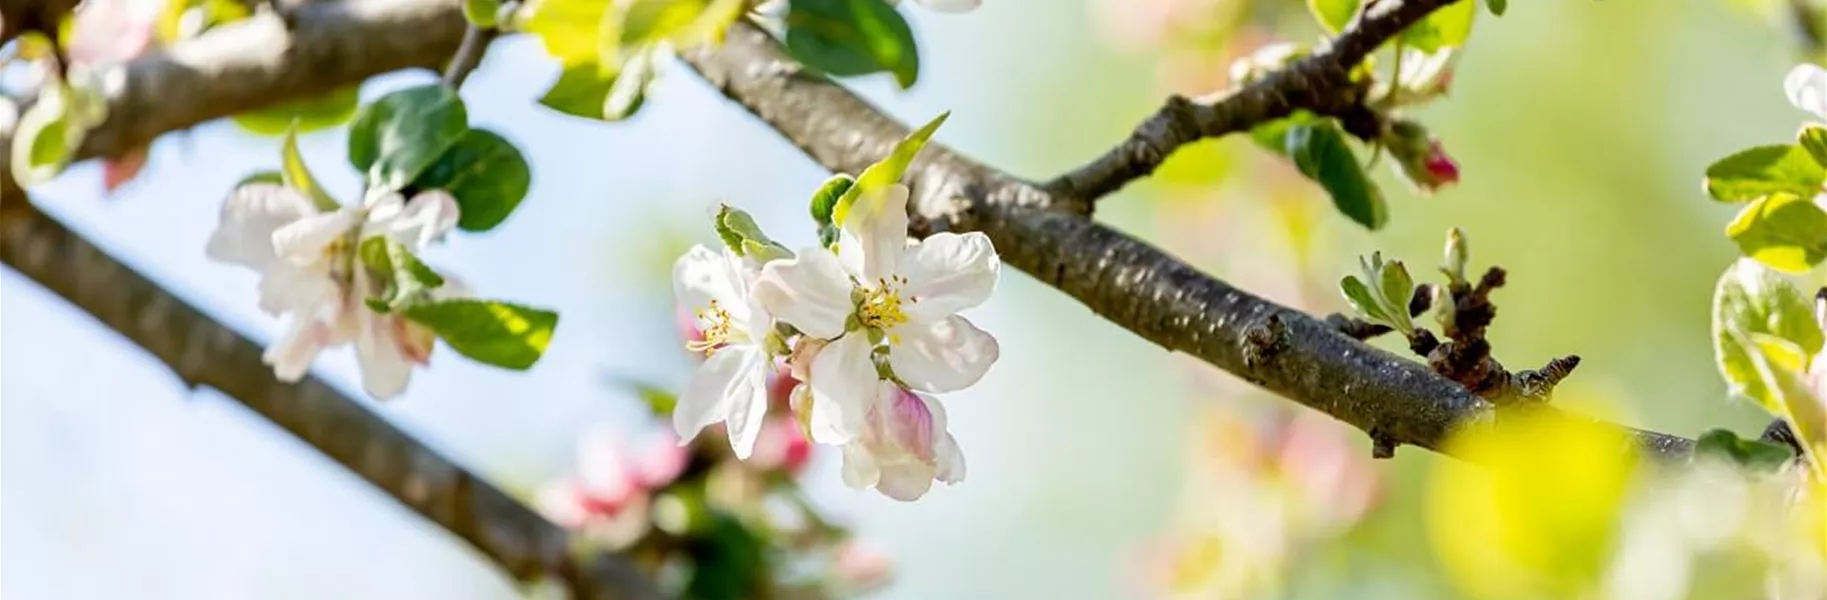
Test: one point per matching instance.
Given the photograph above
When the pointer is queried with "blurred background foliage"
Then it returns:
(1581, 129)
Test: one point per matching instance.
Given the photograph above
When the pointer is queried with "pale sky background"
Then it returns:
(1582, 128)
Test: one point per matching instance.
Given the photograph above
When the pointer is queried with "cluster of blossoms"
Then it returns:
(305, 250)
(868, 323)
(610, 496)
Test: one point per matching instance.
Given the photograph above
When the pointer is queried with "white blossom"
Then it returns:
(903, 447)
(731, 385)
(1806, 86)
(882, 286)
(309, 274)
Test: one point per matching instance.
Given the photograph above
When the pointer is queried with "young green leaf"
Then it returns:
(487, 176)
(402, 133)
(1334, 15)
(569, 29)
(742, 235)
(482, 13)
(303, 115)
(1755, 455)
(852, 37)
(1782, 365)
(1785, 232)
(580, 92)
(647, 22)
(298, 176)
(1448, 27)
(1320, 151)
(879, 176)
(1497, 6)
(43, 140)
(1397, 287)
(496, 333)
(1813, 138)
(1362, 299)
(825, 199)
(407, 280)
(1765, 170)
(1752, 299)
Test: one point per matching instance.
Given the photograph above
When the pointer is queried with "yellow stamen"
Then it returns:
(881, 306)
(717, 331)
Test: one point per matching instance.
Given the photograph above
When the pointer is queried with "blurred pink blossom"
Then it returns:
(859, 567)
(608, 496)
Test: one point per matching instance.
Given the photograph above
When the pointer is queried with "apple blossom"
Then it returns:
(306, 258)
(1806, 86)
(881, 286)
(731, 384)
(609, 496)
(903, 446)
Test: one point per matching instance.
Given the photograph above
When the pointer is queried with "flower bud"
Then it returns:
(1420, 158)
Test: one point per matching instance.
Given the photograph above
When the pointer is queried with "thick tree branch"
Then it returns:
(203, 352)
(1320, 83)
(1135, 285)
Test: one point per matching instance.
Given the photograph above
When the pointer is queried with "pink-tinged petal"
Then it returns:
(859, 469)
(621, 527)
(952, 6)
(860, 567)
(780, 387)
(120, 170)
(105, 31)
(905, 480)
(948, 460)
(292, 355)
(661, 460)
(905, 419)
(603, 473)
(874, 234)
(947, 273)
(945, 356)
(386, 368)
(708, 394)
(1806, 86)
(810, 291)
(843, 387)
(781, 447)
(562, 503)
(308, 241)
(703, 275)
(250, 215)
(750, 402)
(687, 323)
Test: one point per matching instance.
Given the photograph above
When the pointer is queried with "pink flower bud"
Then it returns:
(1440, 166)
(661, 460)
(858, 567)
(1420, 157)
(781, 447)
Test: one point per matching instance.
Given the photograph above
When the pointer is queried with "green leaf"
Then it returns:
(402, 133)
(1782, 364)
(262, 177)
(579, 91)
(889, 170)
(482, 13)
(648, 22)
(628, 91)
(1448, 27)
(852, 37)
(1751, 299)
(1813, 138)
(1320, 152)
(743, 236)
(1765, 170)
(1756, 455)
(1362, 299)
(487, 176)
(1785, 232)
(825, 199)
(1396, 287)
(304, 114)
(43, 140)
(497, 333)
(569, 29)
(1497, 6)
(408, 281)
(1334, 15)
(298, 176)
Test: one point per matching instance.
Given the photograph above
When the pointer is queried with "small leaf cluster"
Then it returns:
(1781, 225)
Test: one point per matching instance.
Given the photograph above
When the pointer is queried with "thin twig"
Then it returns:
(469, 55)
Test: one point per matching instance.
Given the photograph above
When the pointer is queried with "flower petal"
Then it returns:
(843, 386)
(859, 466)
(420, 221)
(707, 398)
(874, 234)
(809, 291)
(291, 356)
(250, 215)
(386, 366)
(603, 472)
(1806, 86)
(906, 420)
(949, 460)
(703, 275)
(749, 399)
(307, 241)
(905, 480)
(287, 288)
(947, 273)
(945, 356)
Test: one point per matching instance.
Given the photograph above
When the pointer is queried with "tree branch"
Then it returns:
(1321, 83)
(202, 352)
(1040, 231)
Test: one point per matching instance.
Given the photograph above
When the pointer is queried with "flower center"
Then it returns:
(881, 306)
(717, 333)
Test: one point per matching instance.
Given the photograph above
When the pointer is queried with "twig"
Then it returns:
(469, 55)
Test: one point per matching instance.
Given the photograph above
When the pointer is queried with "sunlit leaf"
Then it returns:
(298, 176)
(889, 170)
(825, 199)
(496, 333)
(569, 29)
(1333, 14)
(1765, 170)
(1447, 27)
(1752, 299)
(306, 114)
(1785, 232)
(1813, 138)
(481, 13)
